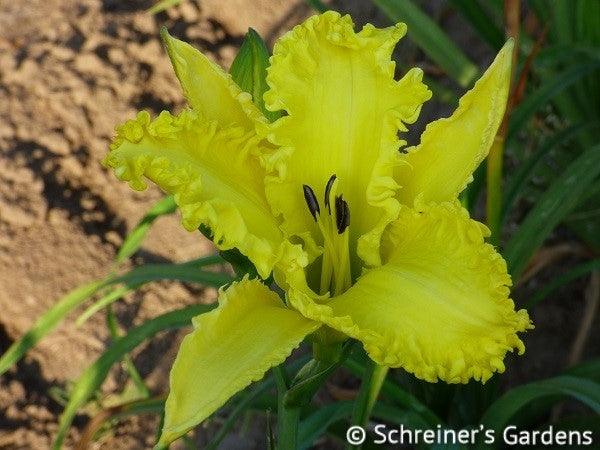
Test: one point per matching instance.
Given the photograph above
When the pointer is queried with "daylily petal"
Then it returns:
(344, 110)
(213, 172)
(439, 306)
(208, 88)
(442, 165)
(230, 347)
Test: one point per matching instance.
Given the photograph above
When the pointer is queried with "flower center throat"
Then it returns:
(334, 226)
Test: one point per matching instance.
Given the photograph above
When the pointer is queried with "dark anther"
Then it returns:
(342, 214)
(328, 191)
(311, 201)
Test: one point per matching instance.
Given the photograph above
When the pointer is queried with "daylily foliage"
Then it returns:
(365, 236)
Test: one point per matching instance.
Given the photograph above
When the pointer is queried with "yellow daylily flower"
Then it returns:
(367, 239)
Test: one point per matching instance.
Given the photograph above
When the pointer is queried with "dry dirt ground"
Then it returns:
(69, 71)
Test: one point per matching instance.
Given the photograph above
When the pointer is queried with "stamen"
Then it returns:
(328, 191)
(336, 276)
(342, 214)
(311, 201)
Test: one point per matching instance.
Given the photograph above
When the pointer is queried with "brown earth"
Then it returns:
(69, 71)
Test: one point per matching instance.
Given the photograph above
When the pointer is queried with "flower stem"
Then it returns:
(287, 417)
(367, 395)
(495, 158)
(288, 428)
(494, 188)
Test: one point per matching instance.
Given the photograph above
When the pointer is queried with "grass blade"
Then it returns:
(134, 375)
(560, 199)
(585, 220)
(246, 401)
(573, 274)
(431, 39)
(562, 20)
(589, 369)
(481, 22)
(546, 93)
(134, 408)
(185, 272)
(316, 424)
(134, 239)
(317, 5)
(525, 169)
(163, 5)
(399, 416)
(94, 375)
(48, 321)
(105, 301)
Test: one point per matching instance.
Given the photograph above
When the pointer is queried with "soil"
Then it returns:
(69, 72)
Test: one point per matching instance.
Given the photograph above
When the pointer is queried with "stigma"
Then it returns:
(334, 226)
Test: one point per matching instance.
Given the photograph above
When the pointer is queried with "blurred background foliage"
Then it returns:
(539, 192)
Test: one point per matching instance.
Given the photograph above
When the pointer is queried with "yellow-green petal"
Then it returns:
(344, 109)
(214, 174)
(439, 306)
(209, 90)
(230, 347)
(442, 165)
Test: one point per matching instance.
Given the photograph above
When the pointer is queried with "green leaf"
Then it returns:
(134, 239)
(311, 377)
(271, 442)
(502, 411)
(245, 400)
(249, 70)
(442, 93)
(186, 272)
(584, 221)
(561, 55)
(431, 39)
(94, 376)
(163, 5)
(317, 423)
(525, 170)
(317, 5)
(560, 199)
(145, 406)
(48, 321)
(395, 393)
(393, 414)
(128, 364)
(117, 412)
(562, 20)
(481, 22)
(545, 93)
(588, 369)
(240, 263)
(105, 301)
(565, 278)
(368, 393)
